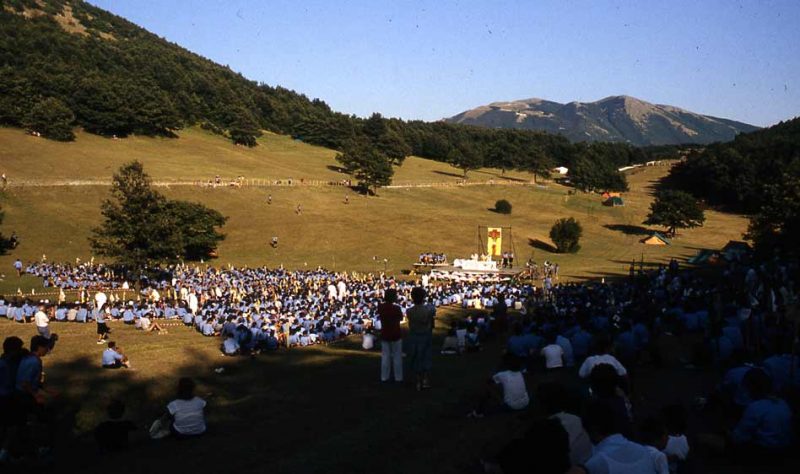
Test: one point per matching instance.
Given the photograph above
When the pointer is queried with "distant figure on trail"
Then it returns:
(269, 199)
(298, 210)
(421, 318)
(274, 242)
(18, 267)
(4, 181)
(346, 199)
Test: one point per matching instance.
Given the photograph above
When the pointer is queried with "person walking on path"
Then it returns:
(421, 318)
(391, 338)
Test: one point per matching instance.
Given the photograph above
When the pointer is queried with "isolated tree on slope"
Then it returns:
(371, 168)
(675, 210)
(141, 227)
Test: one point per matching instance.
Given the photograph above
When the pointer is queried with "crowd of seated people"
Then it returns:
(603, 334)
(432, 258)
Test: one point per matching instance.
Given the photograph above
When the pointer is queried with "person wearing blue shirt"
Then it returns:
(127, 316)
(766, 424)
(779, 368)
(82, 315)
(113, 358)
(566, 346)
(581, 343)
(518, 344)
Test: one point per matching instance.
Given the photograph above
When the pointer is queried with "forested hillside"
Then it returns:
(66, 64)
(758, 173)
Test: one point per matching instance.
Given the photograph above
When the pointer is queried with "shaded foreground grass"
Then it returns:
(318, 409)
(309, 410)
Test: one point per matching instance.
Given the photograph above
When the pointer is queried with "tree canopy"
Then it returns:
(675, 210)
(566, 234)
(141, 227)
(367, 164)
(118, 79)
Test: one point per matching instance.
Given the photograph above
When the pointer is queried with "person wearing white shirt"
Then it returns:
(553, 355)
(42, 322)
(100, 299)
(187, 412)
(603, 357)
(512, 384)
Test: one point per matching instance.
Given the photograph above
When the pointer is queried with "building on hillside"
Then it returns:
(562, 170)
(614, 201)
(656, 239)
(609, 194)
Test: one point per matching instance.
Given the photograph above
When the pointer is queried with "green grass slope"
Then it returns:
(397, 225)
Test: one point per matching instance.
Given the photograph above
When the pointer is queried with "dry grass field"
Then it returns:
(318, 409)
(397, 225)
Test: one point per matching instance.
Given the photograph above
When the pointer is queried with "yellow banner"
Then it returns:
(494, 241)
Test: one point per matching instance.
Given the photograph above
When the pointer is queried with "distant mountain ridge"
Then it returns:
(615, 119)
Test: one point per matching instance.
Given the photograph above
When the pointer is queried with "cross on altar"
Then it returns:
(494, 233)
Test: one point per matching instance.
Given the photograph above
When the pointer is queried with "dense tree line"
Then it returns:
(757, 173)
(118, 79)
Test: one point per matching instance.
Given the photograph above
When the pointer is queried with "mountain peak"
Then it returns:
(620, 118)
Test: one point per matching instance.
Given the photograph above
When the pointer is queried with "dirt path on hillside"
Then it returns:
(261, 183)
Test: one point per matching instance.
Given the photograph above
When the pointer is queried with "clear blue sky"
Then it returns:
(433, 59)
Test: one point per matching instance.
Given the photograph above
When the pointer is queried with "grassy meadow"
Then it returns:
(55, 219)
(318, 409)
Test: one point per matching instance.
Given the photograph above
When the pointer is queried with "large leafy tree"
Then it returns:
(52, 118)
(371, 168)
(198, 228)
(465, 157)
(591, 172)
(776, 226)
(566, 234)
(142, 227)
(675, 210)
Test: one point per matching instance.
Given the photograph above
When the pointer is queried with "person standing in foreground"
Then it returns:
(420, 337)
(391, 337)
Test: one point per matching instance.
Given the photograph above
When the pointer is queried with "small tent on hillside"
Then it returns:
(614, 201)
(562, 170)
(656, 239)
(735, 250)
(607, 195)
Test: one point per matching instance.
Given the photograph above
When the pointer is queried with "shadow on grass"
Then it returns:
(447, 173)
(542, 245)
(335, 168)
(628, 229)
(299, 408)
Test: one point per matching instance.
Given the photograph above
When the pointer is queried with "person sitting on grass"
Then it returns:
(230, 347)
(653, 434)
(148, 325)
(613, 452)
(512, 395)
(112, 434)
(187, 412)
(450, 343)
(765, 429)
(113, 358)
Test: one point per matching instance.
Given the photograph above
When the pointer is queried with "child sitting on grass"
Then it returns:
(505, 391)
(112, 434)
